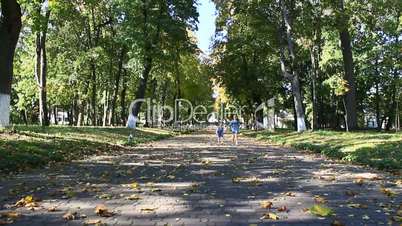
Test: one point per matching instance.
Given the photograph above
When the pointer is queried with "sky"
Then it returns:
(206, 26)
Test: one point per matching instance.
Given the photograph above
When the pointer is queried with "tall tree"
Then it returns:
(293, 75)
(158, 24)
(41, 24)
(10, 27)
(350, 97)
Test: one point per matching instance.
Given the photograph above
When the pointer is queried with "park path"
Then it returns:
(189, 180)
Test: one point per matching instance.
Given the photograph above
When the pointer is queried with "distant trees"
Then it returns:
(334, 64)
(87, 60)
(338, 58)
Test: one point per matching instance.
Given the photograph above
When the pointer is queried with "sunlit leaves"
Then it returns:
(321, 211)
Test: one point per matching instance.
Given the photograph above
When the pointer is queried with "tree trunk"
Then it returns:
(41, 71)
(142, 85)
(377, 102)
(112, 118)
(152, 108)
(93, 94)
(10, 27)
(295, 82)
(394, 99)
(350, 97)
(123, 113)
(150, 43)
(314, 122)
(105, 107)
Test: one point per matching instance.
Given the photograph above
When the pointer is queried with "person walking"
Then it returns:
(235, 128)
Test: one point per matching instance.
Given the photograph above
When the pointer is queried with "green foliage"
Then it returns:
(381, 150)
(338, 84)
(27, 147)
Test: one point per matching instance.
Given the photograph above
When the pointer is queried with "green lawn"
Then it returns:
(26, 147)
(377, 149)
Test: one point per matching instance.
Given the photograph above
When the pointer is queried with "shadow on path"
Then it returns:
(189, 180)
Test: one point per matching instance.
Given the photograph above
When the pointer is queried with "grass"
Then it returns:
(25, 147)
(381, 150)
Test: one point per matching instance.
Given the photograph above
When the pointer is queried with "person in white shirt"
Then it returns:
(131, 124)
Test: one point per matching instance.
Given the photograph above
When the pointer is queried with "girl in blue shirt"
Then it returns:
(219, 132)
(235, 128)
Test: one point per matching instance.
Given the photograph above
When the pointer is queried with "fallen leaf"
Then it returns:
(321, 210)
(148, 210)
(51, 209)
(397, 219)
(27, 201)
(105, 196)
(93, 222)
(290, 194)
(156, 190)
(327, 178)
(102, 211)
(357, 206)
(351, 193)
(337, 223)
(282, 209)
(387, 192)
(70, 216)
(359, 181)
(271, 216)
(2, 222)
(11, 215)
(399, 213)
(319, 199)
(236, 179)
(134, 185)
(266, 204)
(133, 197)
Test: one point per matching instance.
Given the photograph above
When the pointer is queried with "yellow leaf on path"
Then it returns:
(27, 201)
(359, 181)
(134, 185)
(290, 194)
(148, 210)
(321, 210)
(93, 222)
(133, 197)
(387, 192)
(266, 204)
(270, 216)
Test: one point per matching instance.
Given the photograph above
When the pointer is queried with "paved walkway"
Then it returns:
(189, 180)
